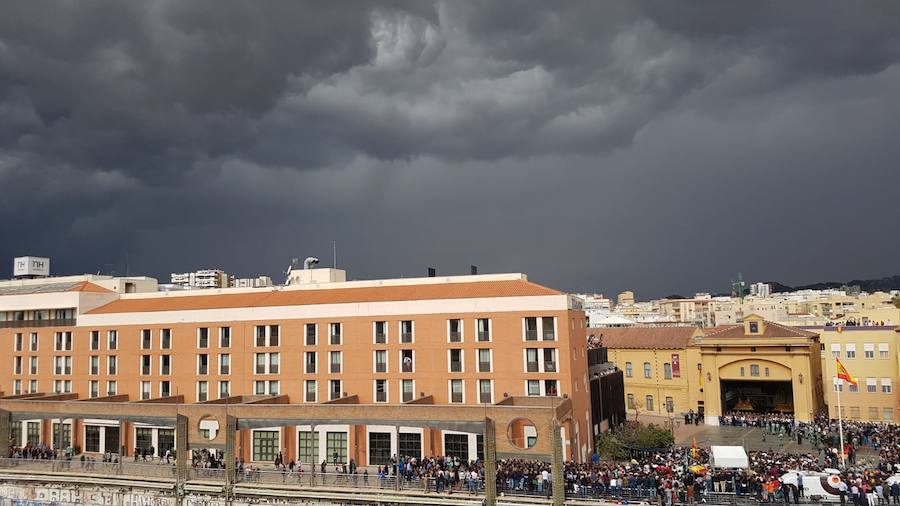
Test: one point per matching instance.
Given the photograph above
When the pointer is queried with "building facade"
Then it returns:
(464, 340)
(754, 366)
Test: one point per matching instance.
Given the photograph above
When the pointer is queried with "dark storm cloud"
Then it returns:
(595, 145)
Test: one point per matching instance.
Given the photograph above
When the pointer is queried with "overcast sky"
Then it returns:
(661, 147)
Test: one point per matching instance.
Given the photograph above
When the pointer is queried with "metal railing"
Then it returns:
(156, 469)
(55, 322)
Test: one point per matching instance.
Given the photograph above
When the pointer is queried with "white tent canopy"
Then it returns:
(729, 456)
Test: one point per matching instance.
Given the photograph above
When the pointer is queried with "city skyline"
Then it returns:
(594, 146)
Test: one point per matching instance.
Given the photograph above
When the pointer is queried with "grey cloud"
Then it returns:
(633, 143)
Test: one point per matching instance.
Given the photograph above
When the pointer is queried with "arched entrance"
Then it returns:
(754, 385)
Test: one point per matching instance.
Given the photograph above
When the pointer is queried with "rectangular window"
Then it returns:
(66, 435)
(754, 369)
(63, 341)
(630, 401)
(92, 438)
(649, 403)
(146, 339)
(34, 342)
(33, 433)
(334, 360)
(456, 391)
(836, 350)
(17, 365)
(406, 331)
(260, 361)
(483, 328)
(259, 387)
(883, 350)
(484, 360)
(334, 333)
(203, 364)
(274, 335)
(145, 390)
(548, 332)
(550, 389)
(456, 446)
(165, 388)
(869, 350)
(407, 388)
(334, 390)
(485, 392)
(310, 390)
(381, 361)
(380, 333)
(549, 359)
(143, 437)
(95, 340)
(629, 370)
(871, 385)
(112, 340)
(224, 389)
(111, 363)
(667, 371)
(225, 364)
(203, 337)
(310, 334)
(531, 332)
(851, 350)
(838, 384)
(95, 365)
(17, 387)
(874, 413)
(888, 414)
(224, 337)
(336, 446)
(17, 342)
(308, 447)
(310, 362)
(854, 412)
(165, 365)
(145, 364)
(533, 387)
(670, 405)
(454, 329)
(406, 361)
(165, 339)
(274, 387)
(456, 360)
(265, 445)
(886, 386)
(379, 448)
(853, 389)
(111, 388)
(648, 371)
(33, 365)
(381, 390)
(410, 445)
(202, 391)
(531, 360)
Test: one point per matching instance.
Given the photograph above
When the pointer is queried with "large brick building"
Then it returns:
(464, 340)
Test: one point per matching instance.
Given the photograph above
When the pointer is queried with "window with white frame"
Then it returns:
(146, 339)
(454, 330)
(112, 340)
(63, 341)
(203, 337)
(484, 360)
(311, 390)
(225, 364)
(165, 388)
(17, 342)
(533, 387)
(455, 360)
(224, 389)
(145, 389)
(95, 365)
(310, 361)
(548, 328)
(886, 386)
(871, 385)
(111, 365)
(224, 337)
(406, 331)
(165, 339)
(111, 387)
(34, 365)
(868, 350)
(311, 334)
(838, 384)
(202, 391)
(94, 389)
(485, 391)
(836, 350)
(531, 328)
(267, 335)
(203, 364)
(851, 350)
(334, 389)
(407, 390)
(94, 340)
(381, 361)
(268, 363)
(483, 330)
(457, 391)
(380, 332)
(34, 342)
(407, 363)
(381, 390)
(334, 362)
(335, 334)
(883, 350)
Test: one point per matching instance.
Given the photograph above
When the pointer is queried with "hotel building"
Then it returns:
(463, 340)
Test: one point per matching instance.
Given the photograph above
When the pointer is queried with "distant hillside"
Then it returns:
(867, 285)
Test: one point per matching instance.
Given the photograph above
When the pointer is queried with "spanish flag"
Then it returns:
(843, 374)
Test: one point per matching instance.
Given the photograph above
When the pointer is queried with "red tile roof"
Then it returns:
(771, 329)
(649, 338)
(269, 298)
(87, 286)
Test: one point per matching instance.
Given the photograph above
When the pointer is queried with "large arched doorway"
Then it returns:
(759, 386)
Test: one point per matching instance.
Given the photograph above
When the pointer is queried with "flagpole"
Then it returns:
(841, 423)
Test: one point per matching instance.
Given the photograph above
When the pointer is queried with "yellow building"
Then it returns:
(870, 353)
(754, 366)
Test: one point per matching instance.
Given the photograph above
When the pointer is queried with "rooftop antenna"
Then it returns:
(334, 254)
